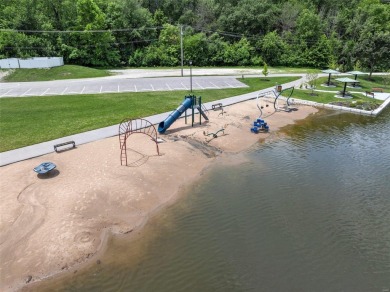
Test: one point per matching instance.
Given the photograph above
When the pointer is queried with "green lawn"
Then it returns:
(30, 120)
(55, 73)
(365, 83)
(327, 97)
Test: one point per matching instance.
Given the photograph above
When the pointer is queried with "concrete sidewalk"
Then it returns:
(40, 149)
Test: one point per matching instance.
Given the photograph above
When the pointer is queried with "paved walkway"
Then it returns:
(36, 150)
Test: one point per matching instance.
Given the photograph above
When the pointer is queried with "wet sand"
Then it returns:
(50, 224)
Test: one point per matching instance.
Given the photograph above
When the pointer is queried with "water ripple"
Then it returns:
(311, 212)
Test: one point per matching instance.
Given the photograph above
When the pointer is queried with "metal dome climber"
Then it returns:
(135, 126)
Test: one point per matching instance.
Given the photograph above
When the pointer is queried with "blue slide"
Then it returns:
(186, 104)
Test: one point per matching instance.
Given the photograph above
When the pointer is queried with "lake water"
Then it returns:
(309, 211)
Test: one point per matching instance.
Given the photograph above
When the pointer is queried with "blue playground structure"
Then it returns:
(190, 102)
(259, 126)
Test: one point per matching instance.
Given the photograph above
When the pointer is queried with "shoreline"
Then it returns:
(53, 226)
(136, 234)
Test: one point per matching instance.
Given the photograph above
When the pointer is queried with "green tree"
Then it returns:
(13, 44)
(134, 23)
(288, 16)
(319, 55)
(357, 66)
(303, 41)
(311, 80)
(272, 48)
(196, 49)
(265, 70)
(373, 51)
(90, 47)
(239, 53)
(250, 17)
(165, 52)
(333, 64)
(287, 33)
(60, 13)
(174, 9)
(217, 47)
(308, 28)
(89, 15)
(373, 46)
(159, 18)
(206, 14)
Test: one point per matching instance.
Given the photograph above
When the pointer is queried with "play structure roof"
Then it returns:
(330, 71)
(346, 80)
(356, 73)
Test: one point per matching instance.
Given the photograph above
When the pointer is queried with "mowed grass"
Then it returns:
(29, 120)
(327, 97)
(358, 94)
(55, 73)
(365, 83)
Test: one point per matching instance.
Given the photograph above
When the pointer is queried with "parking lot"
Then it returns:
(116, 85)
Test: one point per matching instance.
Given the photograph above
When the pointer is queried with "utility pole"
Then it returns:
(191, 74)
(181, 48)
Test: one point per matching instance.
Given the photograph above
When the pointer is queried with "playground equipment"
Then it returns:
(190, 102)
(259, 126)
(217, 107)
(44, 167)
(262, 95)
(71, 143)
(215, 135)
(277, 94)
(137, 126)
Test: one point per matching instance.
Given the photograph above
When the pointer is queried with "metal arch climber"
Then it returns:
(137, 126)
(277, 95)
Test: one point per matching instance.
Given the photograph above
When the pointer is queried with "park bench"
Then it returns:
(377, 89)
(218, 107)
(369, 93)
(64, 144)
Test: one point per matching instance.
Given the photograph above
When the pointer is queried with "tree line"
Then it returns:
(342, 34)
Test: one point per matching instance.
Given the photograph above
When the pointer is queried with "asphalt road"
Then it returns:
(115, 84)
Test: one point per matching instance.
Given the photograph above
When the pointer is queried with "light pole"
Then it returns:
(181, 48)
(190, 74)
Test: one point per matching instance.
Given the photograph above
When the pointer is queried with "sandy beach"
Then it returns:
(50, 224)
